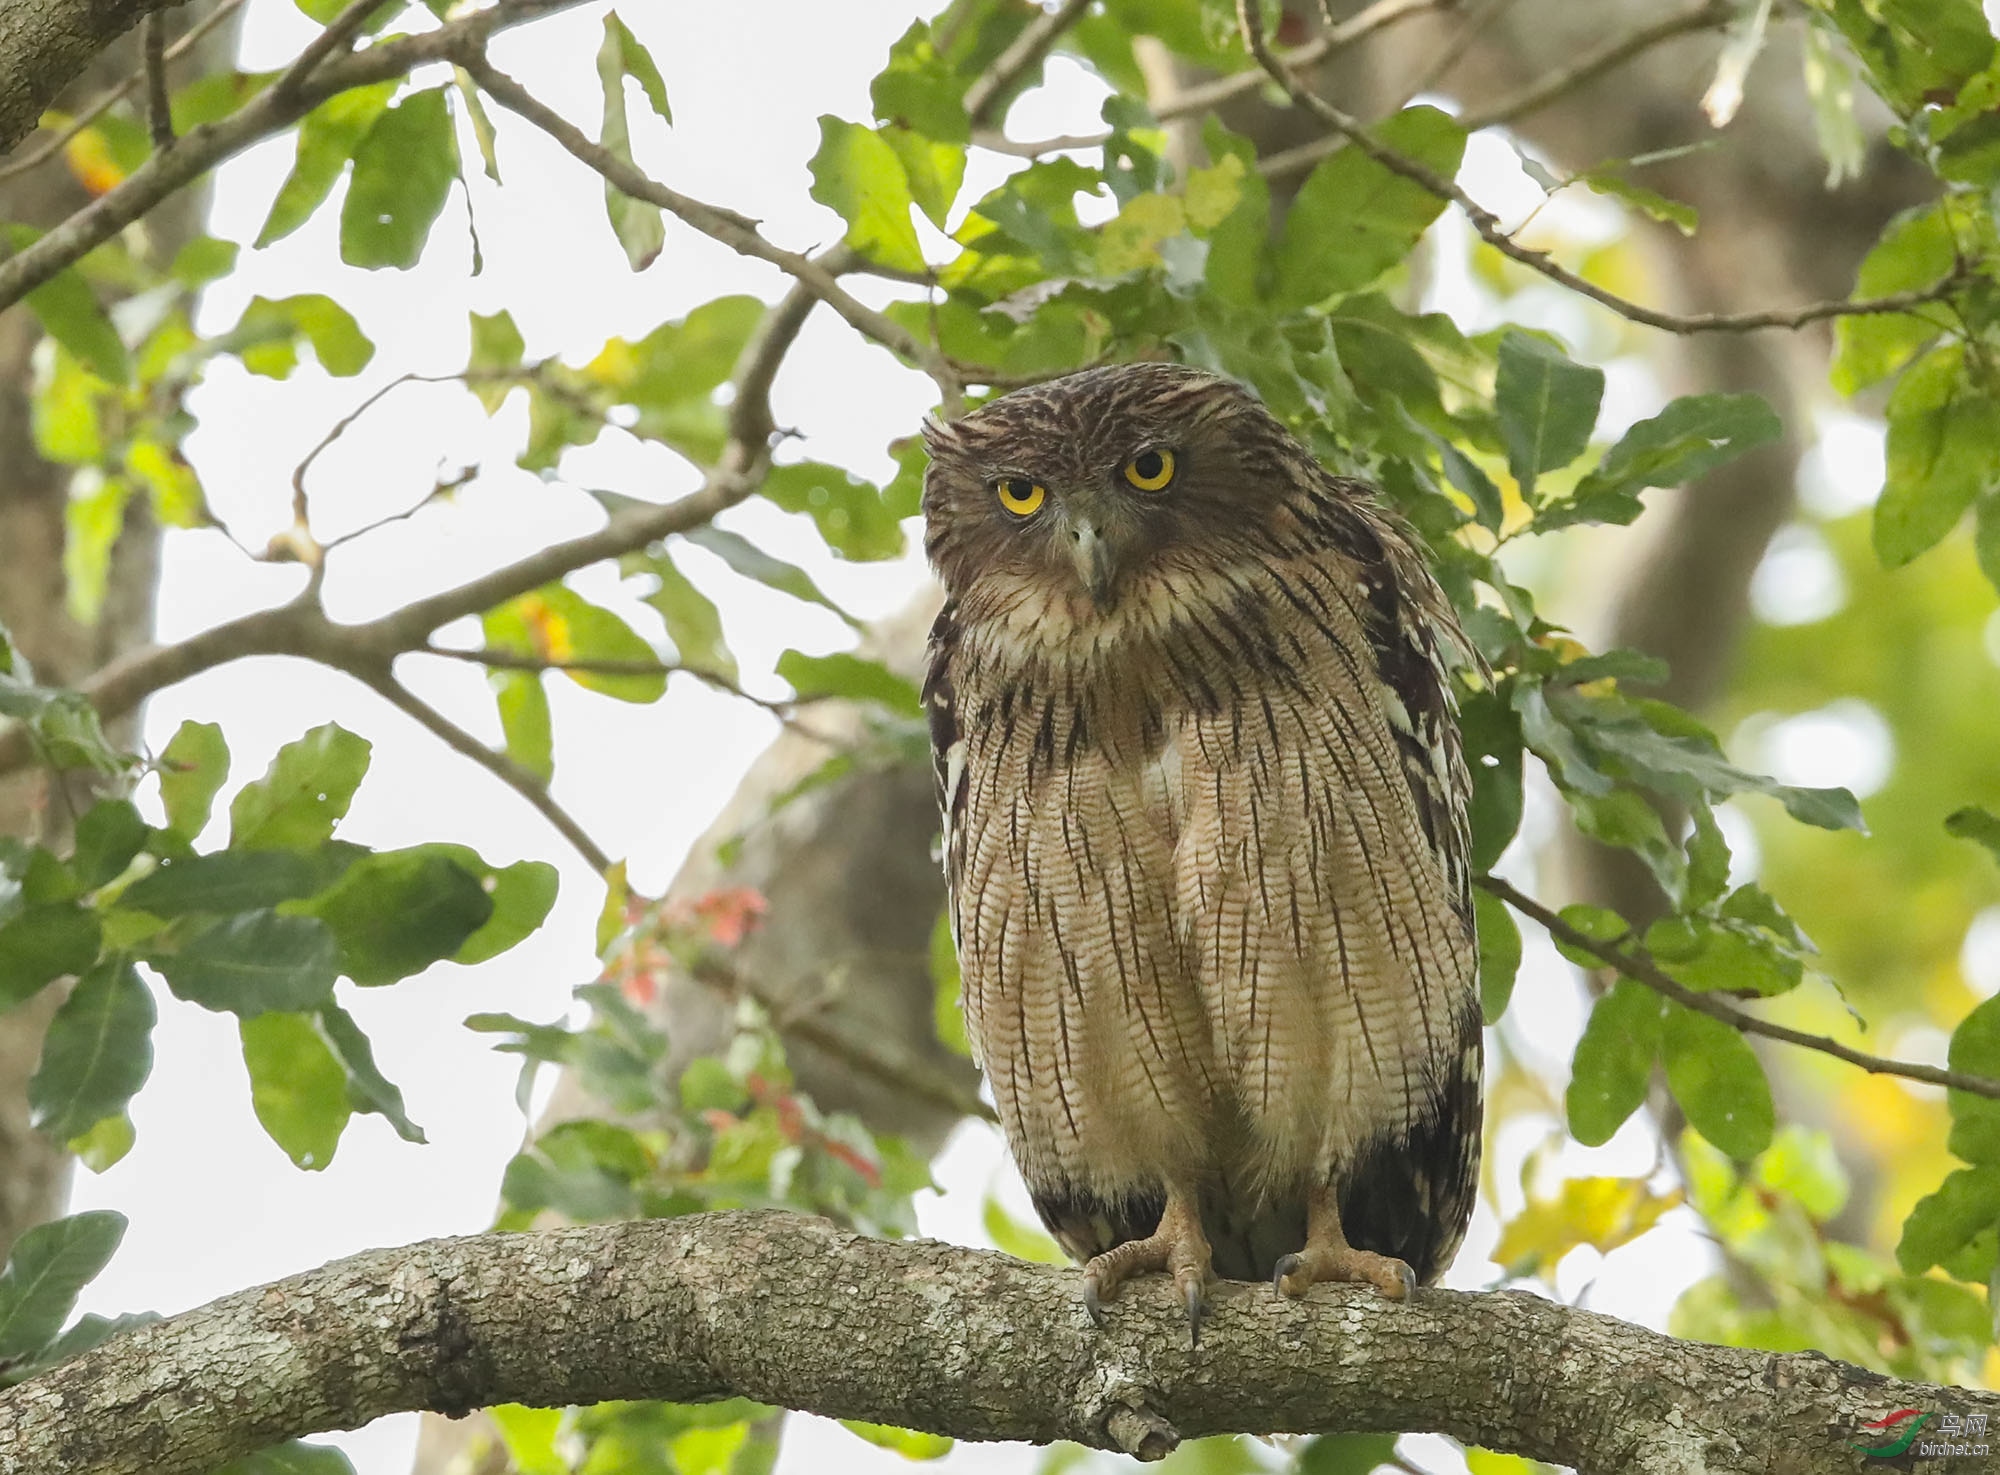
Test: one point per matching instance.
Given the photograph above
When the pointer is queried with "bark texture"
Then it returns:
(44, 44)
(792, 1311)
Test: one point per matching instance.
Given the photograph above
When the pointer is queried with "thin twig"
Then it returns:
(1026, 50)
(1639, 966)
(1447, 56)
(909, 1077)
(159, 108)
(1487, 224)
(510, 773)
(338, 34)
(109, 98)
(1206, 95)
(442, 486)
(1594, 64)
(735, 231)
(507, 660)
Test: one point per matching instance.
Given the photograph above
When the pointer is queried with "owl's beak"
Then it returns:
(1093, 560)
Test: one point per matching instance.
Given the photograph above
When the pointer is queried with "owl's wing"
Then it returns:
(1419, 649)
(947, 748)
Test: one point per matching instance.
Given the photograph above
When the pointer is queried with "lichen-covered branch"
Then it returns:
(45, 43)
(793, 1311)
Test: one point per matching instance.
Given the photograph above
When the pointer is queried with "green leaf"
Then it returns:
(908, 1443)
(303, 794)
(50, 1266)
(692, 620)
(526, 725)
(203, 260)
(255, 962)
(367, 1088)
(637, 63)
(1967, 1202)
(1492, 738)
(684, 360)
(1607, 180)
(397, 912)
(40, 944)
(921, 91)
(851, 677)
(1943, 451)
(107, 838)
(298, 1087)
(92, 522)
(1975, 1120)
(850, 514)
(752, 562)
(403, 169)
(522, 895)
(225, 881)
(1353, 219)
(1345, 1454)
(1986, 536)
(293, 1457)
(1690, 438)
(1719, 1082)
(97, 1054)
(1613, 1061)
(496, 351)
(328, 137)
(858, 175)
(1547, 406)
(1917, 249)
(947, 1013)
(935, 171)
(266, 336)
(1981, 826)
(69, 312)
(558, 625)
(104, 1144)
(1499, 954)
(638, 224)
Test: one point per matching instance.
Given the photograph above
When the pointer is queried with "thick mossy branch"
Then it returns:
(793, 1311)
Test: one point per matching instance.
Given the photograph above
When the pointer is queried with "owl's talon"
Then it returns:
(1092, 1302)
(1196, 1303)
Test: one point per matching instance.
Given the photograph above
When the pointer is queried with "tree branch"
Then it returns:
(43, 46)
(510, 773)
(105, 100)
(735, 231)
(271, 111)
(1027, 49)
(302, 628)
(1488, 224)
(1638, 966)
(793, 1311)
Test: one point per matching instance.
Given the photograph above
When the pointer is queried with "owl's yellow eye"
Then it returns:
(1150, 470)
(1020, 496)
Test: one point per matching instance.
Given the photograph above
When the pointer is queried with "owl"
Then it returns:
(1192, 702)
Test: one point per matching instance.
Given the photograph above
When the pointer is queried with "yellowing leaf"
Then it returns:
(1131, 242)
(1602, 1213)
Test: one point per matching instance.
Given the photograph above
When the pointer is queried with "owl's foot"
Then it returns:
(1296, 1274)
(1328, 1256)
(1178, 1247)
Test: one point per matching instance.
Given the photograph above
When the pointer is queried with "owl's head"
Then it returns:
(1092, 479)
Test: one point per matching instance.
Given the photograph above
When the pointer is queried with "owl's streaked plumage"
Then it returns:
(1192, 705)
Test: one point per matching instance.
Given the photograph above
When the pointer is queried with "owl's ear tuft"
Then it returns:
(940, 435)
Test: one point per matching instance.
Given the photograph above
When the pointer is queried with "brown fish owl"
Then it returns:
(1193, 712)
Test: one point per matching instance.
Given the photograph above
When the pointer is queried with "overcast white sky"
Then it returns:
(214, 1206)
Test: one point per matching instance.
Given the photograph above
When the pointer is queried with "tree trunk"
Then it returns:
(34, 1171)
